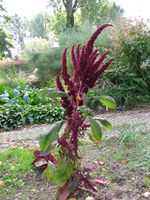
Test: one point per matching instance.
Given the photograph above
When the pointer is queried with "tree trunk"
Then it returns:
(70, 14)
(70, 20)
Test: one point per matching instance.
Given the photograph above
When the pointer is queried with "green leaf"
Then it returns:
(47, 173)
(91, 93)
(107, 125)
(107, 101)
(52, 93)
(50, 135)
(63, 172)
(91, 137)
(64, 191)
(96, 129)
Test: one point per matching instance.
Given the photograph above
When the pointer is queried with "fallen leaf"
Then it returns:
(101, 181)
(31, 149)
(126, 160)
(96, 162)
(101, 163)
(97, 142)
(12, 167)
(25, 146)
(2, 182)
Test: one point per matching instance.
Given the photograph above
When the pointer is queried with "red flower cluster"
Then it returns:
(63, 142)
(88, 66)
(41, 161)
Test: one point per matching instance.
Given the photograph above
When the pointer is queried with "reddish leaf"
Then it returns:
(88, 190)
(89, 169)
(101, 181)
(64, 195)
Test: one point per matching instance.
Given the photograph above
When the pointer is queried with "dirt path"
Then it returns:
(27, 137)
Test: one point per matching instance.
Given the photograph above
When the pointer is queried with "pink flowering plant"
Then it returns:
(65, 168)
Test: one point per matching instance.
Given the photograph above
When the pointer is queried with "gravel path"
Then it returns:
(27, 137)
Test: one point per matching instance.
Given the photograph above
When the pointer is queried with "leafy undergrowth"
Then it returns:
(123, 161)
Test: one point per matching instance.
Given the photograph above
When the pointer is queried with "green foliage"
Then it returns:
(38, 27)
(63, 172)
(106, 125)
(18, 30)
(96, 129)
(50, 136)
(58, 22)
(51, 82)
(107, 101)
(20, 95)
(99, 11)
(128, 80)
(48, 64)
(5, 45)
(81, 35)
(23, 105)
(52, 93)
(37, 45)
(135, 55)
(10, 75)
(16, 116)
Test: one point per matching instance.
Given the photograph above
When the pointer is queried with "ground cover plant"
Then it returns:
(67, 169)
(23, 105)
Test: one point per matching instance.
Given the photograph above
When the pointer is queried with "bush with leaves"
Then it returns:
(47, 63)
(69, 173)
(128, 79)
(16, 115)
(20, 95)
(23, 105)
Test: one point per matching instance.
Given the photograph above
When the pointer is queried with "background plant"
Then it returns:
(127, 80)
(22, 105)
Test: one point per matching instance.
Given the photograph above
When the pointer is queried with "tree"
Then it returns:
(71, 7)
(95, 11)
(38, 27)
(98, 11)
(18, 28)
(5, 43)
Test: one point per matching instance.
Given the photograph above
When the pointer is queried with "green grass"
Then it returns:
(15, 166)
(135, 142)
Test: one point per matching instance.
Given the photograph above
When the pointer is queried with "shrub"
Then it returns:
(128, 79)
(11, 76)
(23, 105)
(72, 37)
(125, 87)
(47, 63)
(16, 116)
(21, 94)
(36, 45)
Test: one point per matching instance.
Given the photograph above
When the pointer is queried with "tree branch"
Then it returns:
(64, 3)
(75, 6)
